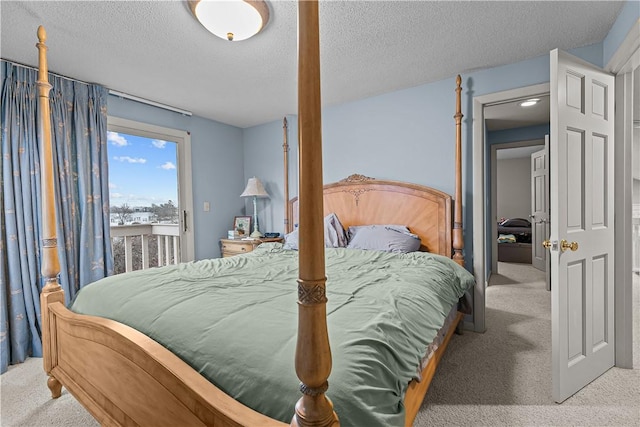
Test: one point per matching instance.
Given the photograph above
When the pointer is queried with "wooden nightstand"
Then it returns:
(231, 247)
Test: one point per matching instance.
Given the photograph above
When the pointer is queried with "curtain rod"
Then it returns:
(50, 72)
(111, 91)
(148, 102)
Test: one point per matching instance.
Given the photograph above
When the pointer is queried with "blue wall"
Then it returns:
(628, 16)
(264, 158)
(518, 134)
(217, 168)
(407, 135)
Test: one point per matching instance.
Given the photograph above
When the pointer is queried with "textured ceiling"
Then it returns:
(156, 50)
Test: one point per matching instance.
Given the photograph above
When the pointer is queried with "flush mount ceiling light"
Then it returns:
(232, 20)
(529, 102)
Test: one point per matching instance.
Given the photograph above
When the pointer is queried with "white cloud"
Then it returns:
(116, 195)
(158, 143)
(112, 185)
(168, 166)
(117, 139)
(130, 159)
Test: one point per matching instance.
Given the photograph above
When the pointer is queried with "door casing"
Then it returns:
(494, 191)
(185, 186)
(540, 226)
(623, 63)
(479, 197)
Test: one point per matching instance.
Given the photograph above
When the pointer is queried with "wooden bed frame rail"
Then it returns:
(124, 378)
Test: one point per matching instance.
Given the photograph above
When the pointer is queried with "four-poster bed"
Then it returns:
(123, 377)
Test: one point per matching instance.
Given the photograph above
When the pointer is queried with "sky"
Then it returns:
(142, 170)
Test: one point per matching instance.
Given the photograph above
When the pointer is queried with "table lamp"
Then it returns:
(255, 189)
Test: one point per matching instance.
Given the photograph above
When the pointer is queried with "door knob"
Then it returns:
(564, 245)
(547, 244)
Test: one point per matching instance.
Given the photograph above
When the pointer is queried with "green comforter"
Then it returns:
(234, 320)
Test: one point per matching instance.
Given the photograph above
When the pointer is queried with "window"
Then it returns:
(150, 195)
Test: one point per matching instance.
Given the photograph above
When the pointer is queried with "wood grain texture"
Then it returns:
(359, 200)
(418, 389)
(458, 238)
(125, 378)
(52, 292)
(232, 247)
(313, 353)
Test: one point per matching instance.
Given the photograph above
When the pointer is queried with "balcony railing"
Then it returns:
(140, 246)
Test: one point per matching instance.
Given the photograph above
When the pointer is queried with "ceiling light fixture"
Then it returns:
(232, 20)
(529, 102)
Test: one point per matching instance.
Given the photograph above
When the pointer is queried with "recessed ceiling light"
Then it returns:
(232, 20)
(529, 102)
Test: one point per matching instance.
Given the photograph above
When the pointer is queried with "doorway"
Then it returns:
(511, 193)
(492, 111)
(172, 220)
(513, 133)
(624, 293)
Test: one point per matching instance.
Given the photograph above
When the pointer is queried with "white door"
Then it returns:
(178, 236)
(539, 206)
(582, 228)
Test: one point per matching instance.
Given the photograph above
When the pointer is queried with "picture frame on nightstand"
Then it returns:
(242, 224)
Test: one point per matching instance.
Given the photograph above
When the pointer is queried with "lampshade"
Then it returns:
(232, 20)
(254, 189)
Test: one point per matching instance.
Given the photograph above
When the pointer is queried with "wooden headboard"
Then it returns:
(360, 200)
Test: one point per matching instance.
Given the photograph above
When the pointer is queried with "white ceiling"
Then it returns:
(509, 115)
(156, 50)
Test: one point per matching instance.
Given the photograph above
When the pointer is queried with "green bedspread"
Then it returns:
(234, 320)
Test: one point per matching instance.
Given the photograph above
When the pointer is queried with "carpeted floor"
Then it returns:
(503, 376)
(499, 378)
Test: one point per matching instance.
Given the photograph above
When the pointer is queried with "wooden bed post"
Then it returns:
(52, 292)
(285, 149)
(458, 240)
(313, 354)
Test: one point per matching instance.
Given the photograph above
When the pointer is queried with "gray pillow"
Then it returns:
(385, 238)
(334, 234)
(354, 229)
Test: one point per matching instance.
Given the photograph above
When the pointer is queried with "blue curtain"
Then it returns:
(79, 135)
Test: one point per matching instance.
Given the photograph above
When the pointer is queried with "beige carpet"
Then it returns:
(26, 400)
(499, 378)
(503, 376)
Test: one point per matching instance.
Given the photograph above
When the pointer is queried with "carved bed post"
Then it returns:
(285, 149)
(458, 241)
(313, 354)
(52, 292)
